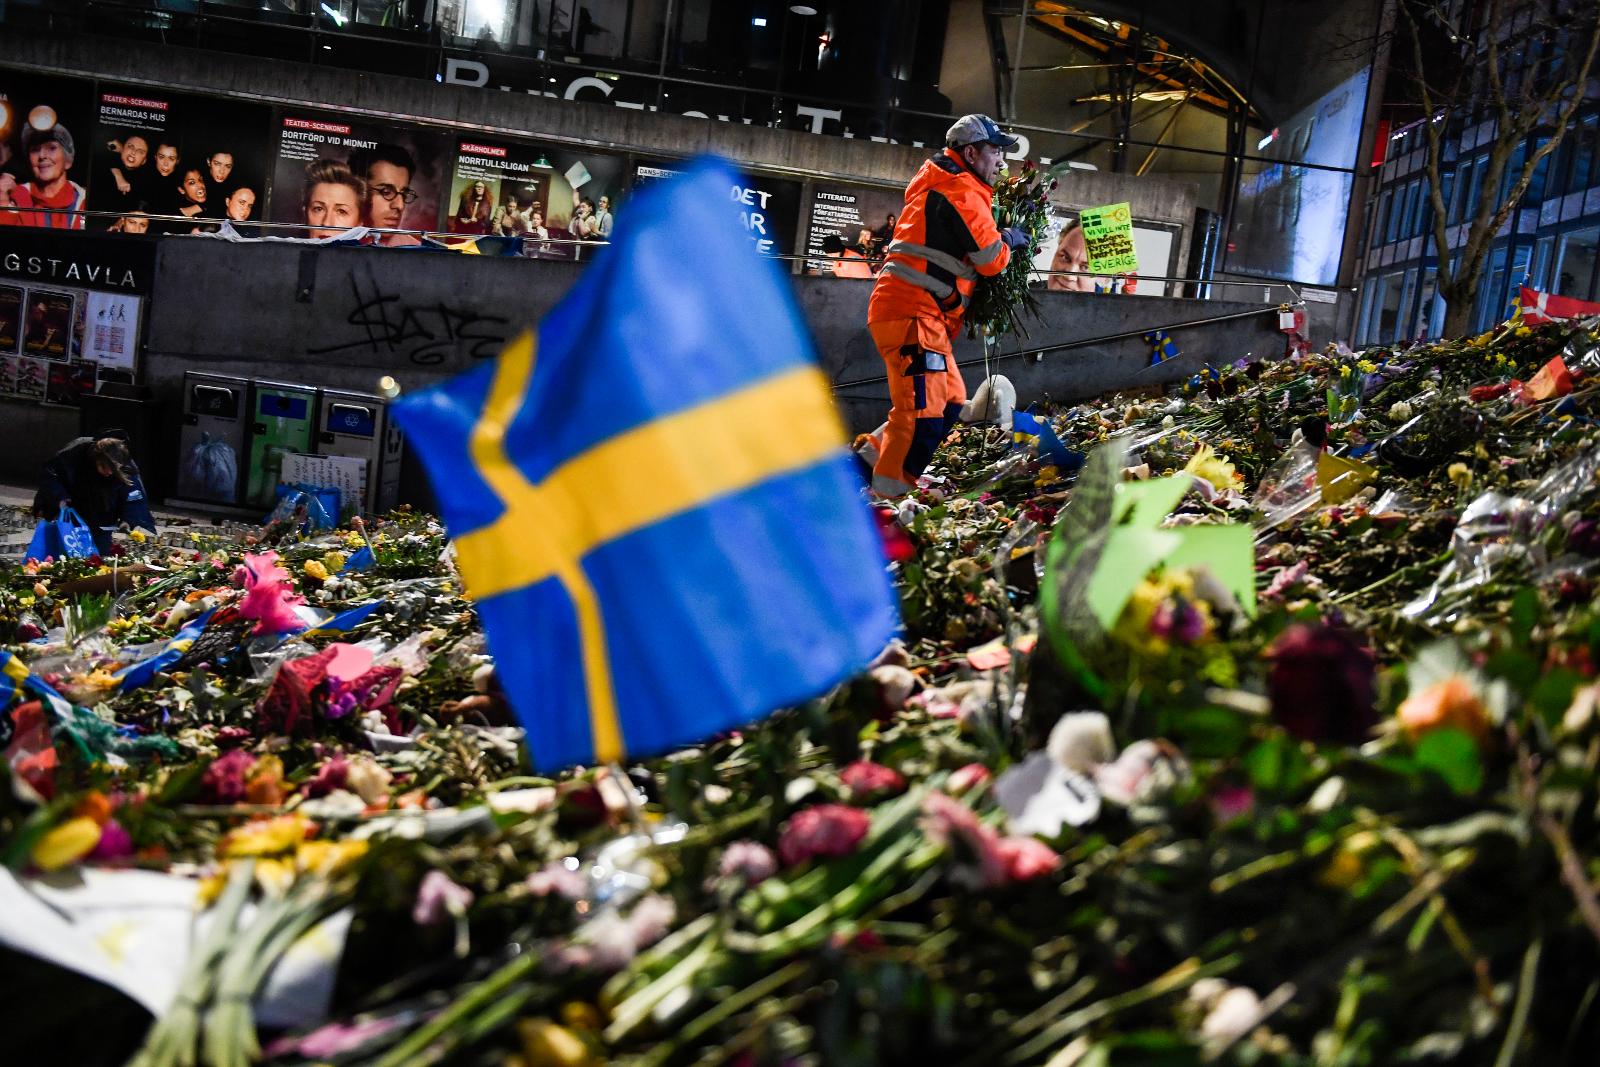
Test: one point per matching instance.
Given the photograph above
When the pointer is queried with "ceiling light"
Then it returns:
(758, 21)
(802, 9)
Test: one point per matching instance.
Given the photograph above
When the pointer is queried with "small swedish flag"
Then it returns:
(1162, 346)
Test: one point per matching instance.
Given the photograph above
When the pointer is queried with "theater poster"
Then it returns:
(10, 318)
(47, 324)
(768, 207)
(848, 225)
(38, 111)
(177, 154)
(335, 171)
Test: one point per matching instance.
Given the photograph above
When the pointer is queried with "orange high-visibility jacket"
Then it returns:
(946, 236)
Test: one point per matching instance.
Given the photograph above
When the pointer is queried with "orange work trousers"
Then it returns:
(926, 393)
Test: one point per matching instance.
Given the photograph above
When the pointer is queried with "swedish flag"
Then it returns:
(1162, 346)
(651, 500)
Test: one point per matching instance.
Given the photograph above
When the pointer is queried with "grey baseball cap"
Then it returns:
(32, 135)
(978, 129)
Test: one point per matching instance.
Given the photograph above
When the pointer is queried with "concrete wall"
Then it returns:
(343, 317)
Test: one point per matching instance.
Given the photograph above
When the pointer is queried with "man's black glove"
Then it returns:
(1015, 237)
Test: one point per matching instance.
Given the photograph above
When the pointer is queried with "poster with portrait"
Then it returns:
(1065, 249)
(44, 149)
(30, 377)
(8, 374)
(68, 382)
(335, 171)
(10, 318)
(546, 194)
(163, 153)
(768, 207)
(47, 324)
(847, 225)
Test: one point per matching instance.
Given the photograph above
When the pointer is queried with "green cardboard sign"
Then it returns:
(1108, 233)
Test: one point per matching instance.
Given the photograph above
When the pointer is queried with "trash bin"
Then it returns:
(211, 441)
(357, 425)
(281, 422)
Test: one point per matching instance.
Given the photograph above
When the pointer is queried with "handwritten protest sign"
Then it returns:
(1108, 232)
(344, 473)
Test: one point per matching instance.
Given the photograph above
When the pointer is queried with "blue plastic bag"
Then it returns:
(320, 501)
(77, 540)
(46, 542)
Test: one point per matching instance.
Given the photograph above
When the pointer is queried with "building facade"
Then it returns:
(1548, 242)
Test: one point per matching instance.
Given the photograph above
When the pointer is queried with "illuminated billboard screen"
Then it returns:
(1290, 217)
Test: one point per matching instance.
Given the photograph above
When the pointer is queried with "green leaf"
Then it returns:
(1552, 694)
(1210, 733)
(1518, 668)
(1524, 615)
(1453, 756)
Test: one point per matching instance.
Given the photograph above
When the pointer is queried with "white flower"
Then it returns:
(1144, 772)
(1234, 1014)
(895, 683)
(1399, 411)
(369, 780)
(1082, 741)
(523, 801)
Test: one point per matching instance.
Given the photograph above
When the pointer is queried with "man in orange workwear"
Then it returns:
(945, 238)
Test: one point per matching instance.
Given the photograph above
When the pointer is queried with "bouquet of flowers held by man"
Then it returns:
(1000, 303)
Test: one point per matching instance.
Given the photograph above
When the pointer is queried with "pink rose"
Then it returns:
(969, 777)
(1024, 858)
(224, 781)
(438, 898)
(749, 861)
(115, 843)
(871, 781)
(829, 830)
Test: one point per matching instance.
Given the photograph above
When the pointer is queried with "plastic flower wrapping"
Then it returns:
(1257, 724)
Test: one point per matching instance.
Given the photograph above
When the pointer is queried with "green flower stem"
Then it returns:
(725, 1009)
(1182, 976)
(1523, 1005)
(416, 1049)
(634, 1011)
(626, 983)
(171, 1041)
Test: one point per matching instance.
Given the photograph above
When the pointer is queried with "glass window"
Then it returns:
(1513, 171)
(1363, 331)
(1575, 256)
(1408, 290)
(1386, 308)
(1430, 309)
(1583, 154)
(1536, 185)
(1474, 190)
(1381, 220)
(1491, 291)
(1540, 272)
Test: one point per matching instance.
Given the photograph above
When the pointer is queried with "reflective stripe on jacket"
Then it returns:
(945, 238)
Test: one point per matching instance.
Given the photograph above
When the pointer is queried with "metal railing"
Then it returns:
(209, 227)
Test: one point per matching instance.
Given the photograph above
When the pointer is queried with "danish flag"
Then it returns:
(1540, 307)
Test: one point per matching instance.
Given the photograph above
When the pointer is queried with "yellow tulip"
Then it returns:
(549, 1044)
(265, 837)
(66, 844)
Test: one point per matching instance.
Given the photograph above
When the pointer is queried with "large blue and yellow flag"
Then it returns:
(651, 500)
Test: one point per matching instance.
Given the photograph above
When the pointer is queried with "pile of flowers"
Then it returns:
(1258, 727)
